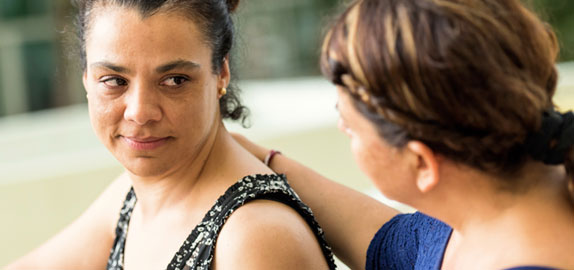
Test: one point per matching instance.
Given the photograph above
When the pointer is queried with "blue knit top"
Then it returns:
(413, 241)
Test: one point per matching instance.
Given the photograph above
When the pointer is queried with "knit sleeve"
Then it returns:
(409, 241)
(395, 245)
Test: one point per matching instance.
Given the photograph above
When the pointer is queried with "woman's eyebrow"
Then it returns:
(108, 65)
(182, 64)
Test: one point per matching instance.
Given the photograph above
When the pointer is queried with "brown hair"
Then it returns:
(469, 78)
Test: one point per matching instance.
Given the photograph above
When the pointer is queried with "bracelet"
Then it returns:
(270, 156)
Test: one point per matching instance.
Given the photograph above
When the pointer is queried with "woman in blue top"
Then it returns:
(448, 105)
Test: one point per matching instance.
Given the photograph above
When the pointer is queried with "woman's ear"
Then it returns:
(224, 74)
(427, 166)
(85, 82)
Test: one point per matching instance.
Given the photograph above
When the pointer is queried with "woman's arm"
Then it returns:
(85, 243)
(349, 218)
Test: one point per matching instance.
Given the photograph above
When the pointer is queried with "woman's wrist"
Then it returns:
(269, 157)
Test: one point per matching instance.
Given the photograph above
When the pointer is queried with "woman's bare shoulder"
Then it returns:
(267, 234)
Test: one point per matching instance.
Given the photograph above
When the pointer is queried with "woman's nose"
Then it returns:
(143, 106)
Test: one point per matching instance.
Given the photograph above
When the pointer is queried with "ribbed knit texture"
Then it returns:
(413, 241)
(408, 241)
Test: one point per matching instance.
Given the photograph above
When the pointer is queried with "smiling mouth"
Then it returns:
(145, 144)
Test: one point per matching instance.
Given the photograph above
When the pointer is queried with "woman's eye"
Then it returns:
(174, 81)
(114, 82)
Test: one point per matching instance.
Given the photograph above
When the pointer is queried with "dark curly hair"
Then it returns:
(215, 19)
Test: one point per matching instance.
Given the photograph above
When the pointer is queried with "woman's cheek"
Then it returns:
(358, 149)
(363, 152)
(104, 115)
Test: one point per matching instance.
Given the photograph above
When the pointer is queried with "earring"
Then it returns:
(223, 91)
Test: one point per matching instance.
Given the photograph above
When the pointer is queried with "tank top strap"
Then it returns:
(198, 249)
(115, 261)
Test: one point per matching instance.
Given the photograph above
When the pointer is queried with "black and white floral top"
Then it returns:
(198, 249)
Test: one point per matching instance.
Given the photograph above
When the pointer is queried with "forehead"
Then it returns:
(348, 110)
(122, 32)
(344, 99)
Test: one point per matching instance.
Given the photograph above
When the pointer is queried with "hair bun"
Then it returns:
(232, 5)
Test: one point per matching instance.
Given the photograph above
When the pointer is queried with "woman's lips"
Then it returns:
(148, 143)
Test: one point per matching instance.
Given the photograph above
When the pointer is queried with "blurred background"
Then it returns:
(52, 166)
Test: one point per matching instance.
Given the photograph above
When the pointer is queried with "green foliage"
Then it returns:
(10, 9)
(560, 14)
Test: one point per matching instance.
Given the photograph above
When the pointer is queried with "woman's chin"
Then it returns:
(146, 167)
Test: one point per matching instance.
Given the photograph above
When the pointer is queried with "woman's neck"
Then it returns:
(501, 228)
(181, 186)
